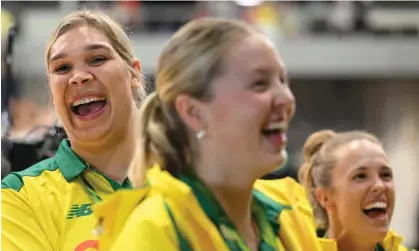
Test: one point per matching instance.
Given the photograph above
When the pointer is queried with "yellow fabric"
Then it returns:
(35, 218)
(393, 242)
(42, 210)
(138, 220)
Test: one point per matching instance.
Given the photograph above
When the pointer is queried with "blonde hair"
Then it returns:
(112, 30)
(319, 160)
(187, 65)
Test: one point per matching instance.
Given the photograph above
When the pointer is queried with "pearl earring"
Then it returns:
(200, 134)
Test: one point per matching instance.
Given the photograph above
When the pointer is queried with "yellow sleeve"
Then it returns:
(20, 228)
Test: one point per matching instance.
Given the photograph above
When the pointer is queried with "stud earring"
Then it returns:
(200, 134)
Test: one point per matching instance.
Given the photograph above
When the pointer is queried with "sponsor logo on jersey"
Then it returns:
(79, 210)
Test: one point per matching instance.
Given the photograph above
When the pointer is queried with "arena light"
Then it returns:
(248, 3)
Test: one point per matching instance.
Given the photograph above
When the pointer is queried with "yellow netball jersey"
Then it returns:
(48, 206)
(166, 215)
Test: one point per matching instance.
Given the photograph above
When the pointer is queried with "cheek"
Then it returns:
(240, 111)
(348, 199)
(391, 193)
(116, 78)
(57, 89)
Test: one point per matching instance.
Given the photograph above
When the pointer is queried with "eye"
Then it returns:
(97, 60)
(260, 85)
(360, 176)
(62, 69)
(387, 175)
(284, 80)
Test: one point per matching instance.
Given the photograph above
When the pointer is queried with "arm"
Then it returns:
(20, 228)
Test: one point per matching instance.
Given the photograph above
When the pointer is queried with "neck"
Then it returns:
(110, 158)
(346, 242)
(234, 195)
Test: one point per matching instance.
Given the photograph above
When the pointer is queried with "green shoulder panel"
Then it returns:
(15, 179)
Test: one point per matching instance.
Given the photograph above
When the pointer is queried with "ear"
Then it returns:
(324, 197)
(191, 111)
(135, 82)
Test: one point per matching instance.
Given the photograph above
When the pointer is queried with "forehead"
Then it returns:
(253, 53)
(361, 153)
(77, 38)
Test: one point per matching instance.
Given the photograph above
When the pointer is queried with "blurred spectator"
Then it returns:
(128, 12)
(29, 109)
(265, 17)
(342, 18)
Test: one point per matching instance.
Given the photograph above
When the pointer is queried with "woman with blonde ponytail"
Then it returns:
(349, 184)
(216, 124)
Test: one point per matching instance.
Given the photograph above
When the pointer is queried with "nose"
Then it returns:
(378, 185)
(80, 77)
(284, 98)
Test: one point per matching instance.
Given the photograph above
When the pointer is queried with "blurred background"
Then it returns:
(353, 65)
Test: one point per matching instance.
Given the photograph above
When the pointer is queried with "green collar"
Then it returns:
(71, 165)
(265, 212)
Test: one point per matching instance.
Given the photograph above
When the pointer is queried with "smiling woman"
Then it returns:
(350, 186)
(216, 123)
(96, 87)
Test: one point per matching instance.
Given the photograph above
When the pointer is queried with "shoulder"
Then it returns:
(151, 209)
(393, 241)
(15, 180)
(142, 206)
(286, 190)
(130, 213)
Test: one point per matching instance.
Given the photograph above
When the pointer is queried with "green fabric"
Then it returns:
(379, 248)
(272, 209)
(15, 179)
(183, 244)
(265, 214)
(90, 190)
(69, 163)
(115, 185)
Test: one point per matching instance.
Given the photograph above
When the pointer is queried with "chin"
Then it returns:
(281, 158)
(98, 134)
(274, 162)
(375, 234)
(381, 233)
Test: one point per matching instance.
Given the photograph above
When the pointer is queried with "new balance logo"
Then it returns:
(79, 210)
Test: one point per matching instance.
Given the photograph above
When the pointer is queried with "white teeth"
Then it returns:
(381, 205)
(277, 126)
(87, 100)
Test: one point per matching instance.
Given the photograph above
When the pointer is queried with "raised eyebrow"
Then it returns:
(89, 47)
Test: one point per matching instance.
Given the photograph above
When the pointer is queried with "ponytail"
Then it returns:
(157, 141)
(306, 174)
